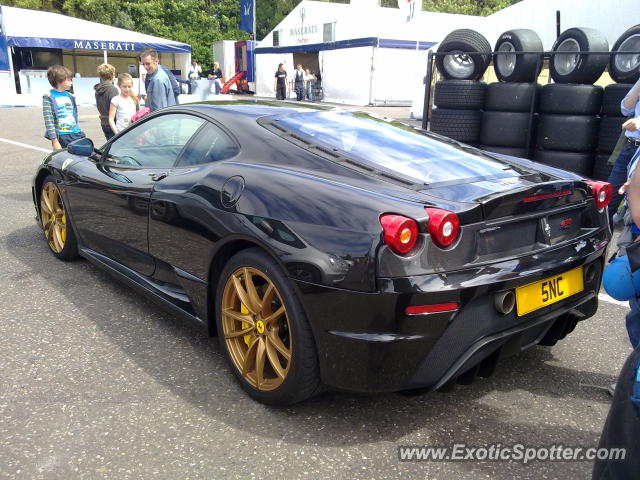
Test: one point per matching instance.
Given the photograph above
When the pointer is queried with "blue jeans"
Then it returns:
(618, 176)
(633, 322)
(108, 133)
(66, 138)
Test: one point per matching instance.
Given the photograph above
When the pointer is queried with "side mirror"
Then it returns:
(82, 147)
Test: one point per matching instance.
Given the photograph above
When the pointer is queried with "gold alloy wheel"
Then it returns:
(53, 216)
(256, 328)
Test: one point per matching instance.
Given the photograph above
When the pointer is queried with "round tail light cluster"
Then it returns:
(443, 227)
(602, 192)
(401, 233)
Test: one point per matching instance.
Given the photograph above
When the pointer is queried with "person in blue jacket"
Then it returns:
(630, 107)
(622, 427)
(160, 93)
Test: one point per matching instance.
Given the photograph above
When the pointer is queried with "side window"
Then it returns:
(155, 143)
(211, 145)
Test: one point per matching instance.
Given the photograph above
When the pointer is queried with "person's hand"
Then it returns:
(631, 125)
(622, 190)
(55, 143)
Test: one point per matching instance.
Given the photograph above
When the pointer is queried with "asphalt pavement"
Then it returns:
(97, 382)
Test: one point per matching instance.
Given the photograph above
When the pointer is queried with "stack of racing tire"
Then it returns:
(569, 123)
(625, 71)
(561, 119)
(610, 128)
(459, 98)
(508, 123)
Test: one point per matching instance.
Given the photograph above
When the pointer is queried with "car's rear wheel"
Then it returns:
(55, 222)
(264, 331)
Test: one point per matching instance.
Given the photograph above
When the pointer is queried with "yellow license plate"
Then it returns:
(550, 290)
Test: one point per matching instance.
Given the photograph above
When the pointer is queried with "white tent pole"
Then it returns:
(10, 56)
(105, 55)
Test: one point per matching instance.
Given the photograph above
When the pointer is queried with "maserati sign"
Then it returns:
(88, 45)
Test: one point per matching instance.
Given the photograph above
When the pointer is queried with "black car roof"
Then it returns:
(253, 107)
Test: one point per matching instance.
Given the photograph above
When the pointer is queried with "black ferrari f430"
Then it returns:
(331, 248)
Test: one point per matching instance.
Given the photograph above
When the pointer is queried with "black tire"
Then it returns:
(576, 162)
(570, 99)
(511, 151)
(573, 133)
(63, 243)
(302, 379)
(458, 65)
(510, 97)
(612, 98)
(626, 68)
(601, 167)
(459, 94)
(518, 68)
(460, 125)
(571, 68)
(609, 133)
(505, 129)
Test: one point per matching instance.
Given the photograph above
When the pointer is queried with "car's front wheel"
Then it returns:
(55, 221)
(264, 331)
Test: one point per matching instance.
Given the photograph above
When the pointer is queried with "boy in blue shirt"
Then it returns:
(60, 110)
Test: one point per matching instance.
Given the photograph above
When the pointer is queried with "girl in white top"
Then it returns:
(123, 106)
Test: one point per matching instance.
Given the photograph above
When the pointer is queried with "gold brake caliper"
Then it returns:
(248, 337)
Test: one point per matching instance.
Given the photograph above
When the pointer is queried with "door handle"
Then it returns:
(156, 177)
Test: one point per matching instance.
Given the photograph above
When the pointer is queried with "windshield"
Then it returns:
(393, 146)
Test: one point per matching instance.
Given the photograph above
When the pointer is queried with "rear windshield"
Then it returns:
(392, 146)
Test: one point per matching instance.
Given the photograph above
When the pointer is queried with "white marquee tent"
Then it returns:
(373, 55)
(80, 45)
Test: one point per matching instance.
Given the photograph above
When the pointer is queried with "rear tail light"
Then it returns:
(602, 192)
(400, 233)
(433, 308)
(443, 227)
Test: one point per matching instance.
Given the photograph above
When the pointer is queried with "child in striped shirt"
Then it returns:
(60, 110)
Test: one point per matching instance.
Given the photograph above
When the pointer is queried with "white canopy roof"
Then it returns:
(32, 28)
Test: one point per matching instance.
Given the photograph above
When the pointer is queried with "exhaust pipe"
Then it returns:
(590, 273)
(505, 301)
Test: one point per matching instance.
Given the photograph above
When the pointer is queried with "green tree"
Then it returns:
(466, 7)
(48, 5)
(269, 13)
